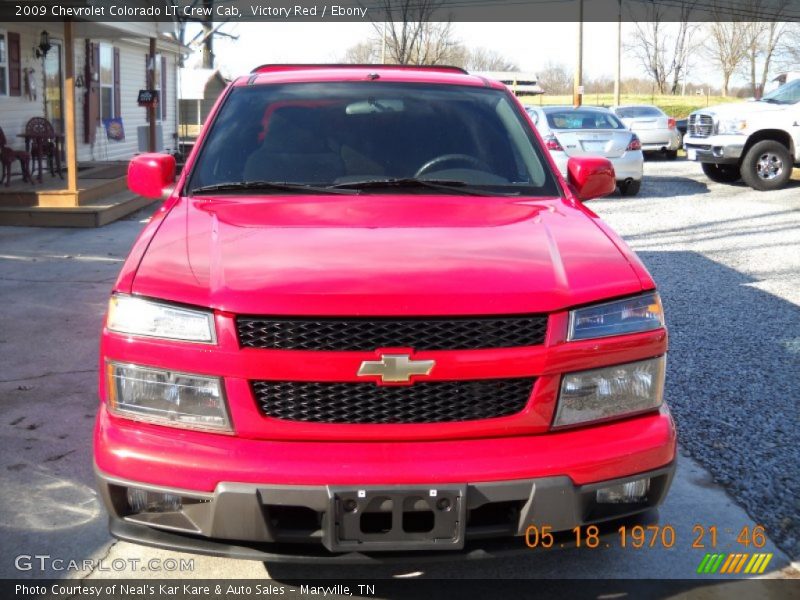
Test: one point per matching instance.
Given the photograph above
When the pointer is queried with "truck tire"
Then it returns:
(629, 188)
(722, 173)
(767, 165)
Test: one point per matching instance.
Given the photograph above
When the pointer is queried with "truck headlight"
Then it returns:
(139, 316)
(632, 315)
(167, 397)
(610, 392)
(731, 126)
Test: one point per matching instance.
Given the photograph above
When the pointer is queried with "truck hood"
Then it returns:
(737, 110)
(383, 255)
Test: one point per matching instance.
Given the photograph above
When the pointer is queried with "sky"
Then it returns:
(529, 45)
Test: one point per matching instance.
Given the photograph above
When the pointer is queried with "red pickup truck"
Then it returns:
(372, 317)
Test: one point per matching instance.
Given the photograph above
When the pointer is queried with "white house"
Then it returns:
(109, 65)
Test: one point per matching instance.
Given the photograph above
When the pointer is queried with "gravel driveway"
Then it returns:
(727, 261)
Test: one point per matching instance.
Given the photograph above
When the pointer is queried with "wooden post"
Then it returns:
(151, 85)
(577, 91)
(618, 65)
(70, 134)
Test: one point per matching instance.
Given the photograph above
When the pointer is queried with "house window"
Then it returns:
(3, 63)
(106, 82)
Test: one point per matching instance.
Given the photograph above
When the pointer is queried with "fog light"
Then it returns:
(624, 493)
(145, 501)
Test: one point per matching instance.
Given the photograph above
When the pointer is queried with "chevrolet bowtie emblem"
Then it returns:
(395, 368)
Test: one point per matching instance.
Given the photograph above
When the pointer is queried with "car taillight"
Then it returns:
(671, 123)
(551, 143)
(634, 144)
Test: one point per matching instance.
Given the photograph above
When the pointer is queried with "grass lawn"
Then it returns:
(674, 106)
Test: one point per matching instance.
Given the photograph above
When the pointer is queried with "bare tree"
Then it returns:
(410, 35)
(789, 58)
(684, 45)
(727, 46)
(457, 55)
(764, 39)
(363, 53)
(555, 79)
(483, 59)
(204, 39)
(664, 48)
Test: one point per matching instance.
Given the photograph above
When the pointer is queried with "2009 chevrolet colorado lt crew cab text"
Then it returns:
(372, 316)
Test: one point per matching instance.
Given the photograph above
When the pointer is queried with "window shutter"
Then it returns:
(163, 98)
(117, 94)
(91, 107)
(14, 65)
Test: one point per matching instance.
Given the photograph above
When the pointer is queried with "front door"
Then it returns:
(53, 83)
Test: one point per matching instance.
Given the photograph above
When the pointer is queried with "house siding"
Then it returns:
(15, 111)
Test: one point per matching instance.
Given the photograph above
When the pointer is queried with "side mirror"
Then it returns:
(591, 176)
(151, 175)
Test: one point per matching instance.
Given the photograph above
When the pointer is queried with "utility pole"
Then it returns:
(577, 90)
(618, 73)
(208, 34)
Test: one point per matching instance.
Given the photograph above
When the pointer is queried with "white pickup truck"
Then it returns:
(757, 141)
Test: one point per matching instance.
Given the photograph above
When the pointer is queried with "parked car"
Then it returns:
(372, 316)
(756, 141)
(591, 131)
(682, 125)
(657, 131)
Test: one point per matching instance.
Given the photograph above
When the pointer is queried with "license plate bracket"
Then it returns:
(384, 518)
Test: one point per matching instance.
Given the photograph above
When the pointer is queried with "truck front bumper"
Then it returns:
(294, 523)
(717, 149)
(289, 500)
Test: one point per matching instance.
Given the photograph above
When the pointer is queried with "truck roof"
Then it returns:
(394, 73)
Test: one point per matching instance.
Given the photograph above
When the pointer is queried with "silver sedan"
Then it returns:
(655, 128)
(593, 131)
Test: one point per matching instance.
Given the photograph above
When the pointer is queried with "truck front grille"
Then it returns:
(700, 125)
(367, 403)
(368, 334)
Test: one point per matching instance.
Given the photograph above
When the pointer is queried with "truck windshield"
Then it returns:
(365, 133)
(786, 94)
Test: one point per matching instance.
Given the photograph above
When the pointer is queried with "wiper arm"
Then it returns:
(277, 186)
(448, 185)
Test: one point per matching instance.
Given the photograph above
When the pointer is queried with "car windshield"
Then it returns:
(365, 134)
(571, 118)
(636, 112)
(786, 94)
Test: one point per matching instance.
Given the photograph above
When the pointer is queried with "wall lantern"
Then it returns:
(44, 45)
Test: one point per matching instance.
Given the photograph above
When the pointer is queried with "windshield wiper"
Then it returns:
(276, 186)
(772, 101)
(447, 185)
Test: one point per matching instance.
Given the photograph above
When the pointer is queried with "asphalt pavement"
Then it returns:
(727, 260)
